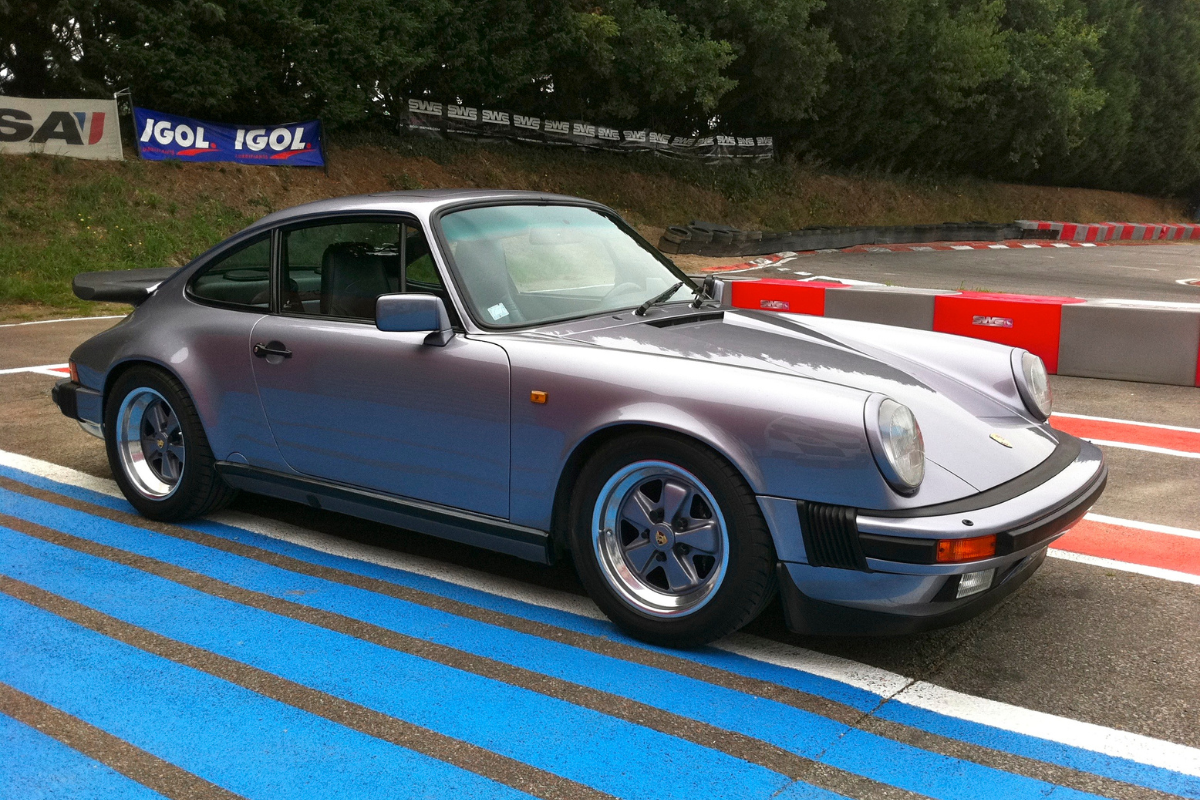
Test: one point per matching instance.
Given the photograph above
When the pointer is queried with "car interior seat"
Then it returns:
(353, 274)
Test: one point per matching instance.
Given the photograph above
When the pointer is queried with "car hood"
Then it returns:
(957, 421)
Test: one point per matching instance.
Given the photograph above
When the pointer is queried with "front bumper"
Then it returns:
(80, 403)
(882, 576)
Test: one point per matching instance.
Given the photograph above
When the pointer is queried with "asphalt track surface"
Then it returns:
(274, 651)
(1135, 272)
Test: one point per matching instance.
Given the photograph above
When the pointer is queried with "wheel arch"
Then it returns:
(590, 444)
(121, 367)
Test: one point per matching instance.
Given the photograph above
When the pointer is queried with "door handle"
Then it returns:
(271, 349)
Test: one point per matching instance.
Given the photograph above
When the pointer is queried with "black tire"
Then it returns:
(749, 577)
(198, 488)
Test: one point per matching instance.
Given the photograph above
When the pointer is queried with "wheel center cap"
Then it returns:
(662, 536)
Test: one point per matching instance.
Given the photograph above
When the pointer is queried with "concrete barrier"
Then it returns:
(889, 305)
(1028, 321)
(1131, 343)
(1114, 339)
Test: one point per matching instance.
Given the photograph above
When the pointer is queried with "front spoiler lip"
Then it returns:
(806, 615)
(1021, 524)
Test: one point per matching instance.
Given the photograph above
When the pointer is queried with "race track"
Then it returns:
(277, 651)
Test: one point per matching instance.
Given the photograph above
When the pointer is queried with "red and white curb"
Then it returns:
(53, 370)
(1171, 440)
(66, 319)
(1115, 231)
(1010, 244)
(1159, 551)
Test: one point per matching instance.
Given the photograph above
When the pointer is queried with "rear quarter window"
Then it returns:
(241, 278)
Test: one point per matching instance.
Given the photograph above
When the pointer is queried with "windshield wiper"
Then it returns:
(641, 310)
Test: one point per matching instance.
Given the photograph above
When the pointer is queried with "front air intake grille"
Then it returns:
(831, 536)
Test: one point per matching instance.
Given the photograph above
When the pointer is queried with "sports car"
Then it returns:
(523, 372)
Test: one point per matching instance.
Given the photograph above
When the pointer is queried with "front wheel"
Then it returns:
(157, 449)
(669, 541)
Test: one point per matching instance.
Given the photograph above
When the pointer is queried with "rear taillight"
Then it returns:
(74, 371)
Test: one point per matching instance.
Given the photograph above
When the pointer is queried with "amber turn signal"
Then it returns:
(74, 372)
(538, 397)
(950, 551)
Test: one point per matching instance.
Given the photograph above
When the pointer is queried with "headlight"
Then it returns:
(896, 443)
(1033, 383)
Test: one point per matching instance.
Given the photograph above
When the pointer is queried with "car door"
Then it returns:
(349, 403)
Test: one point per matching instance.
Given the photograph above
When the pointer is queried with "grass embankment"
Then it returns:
(59, 216)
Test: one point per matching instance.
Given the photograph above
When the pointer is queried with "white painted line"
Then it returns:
(1116, 301)
(1128, 422)
(44, 369)
(961, 247)
(889, 685)
(1124, 566)
(67, 319)
(997, 247)
(1166, 451)
(71, 477)
(1143, 749)
(1087, 244)
(1060, 244)
(1143, 526)
(1031, 246)
(862, 676)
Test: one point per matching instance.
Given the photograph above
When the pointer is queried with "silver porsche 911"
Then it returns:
(522, 372)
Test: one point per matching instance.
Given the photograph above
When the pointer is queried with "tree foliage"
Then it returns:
(1101, 93)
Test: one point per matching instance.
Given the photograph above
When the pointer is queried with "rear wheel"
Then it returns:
(669, 541)
(157, 449)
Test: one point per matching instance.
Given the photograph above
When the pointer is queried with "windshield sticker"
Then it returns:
(498, 311)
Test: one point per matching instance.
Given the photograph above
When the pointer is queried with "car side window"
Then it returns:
(338, 269)
(241, 279)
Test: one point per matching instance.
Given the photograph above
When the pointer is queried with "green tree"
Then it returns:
(908, 67)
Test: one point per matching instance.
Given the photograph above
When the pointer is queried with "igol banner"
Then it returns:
(77, 128)
(461, 121)
(165, 136)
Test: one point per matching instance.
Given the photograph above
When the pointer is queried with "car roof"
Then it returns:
(424, 200)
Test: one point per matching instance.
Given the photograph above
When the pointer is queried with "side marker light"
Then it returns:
(74, 371)
(952, 551)
(538, 397)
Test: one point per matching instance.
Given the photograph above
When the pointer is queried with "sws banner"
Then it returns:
(77, 128)
(161, 137)
(429, 117)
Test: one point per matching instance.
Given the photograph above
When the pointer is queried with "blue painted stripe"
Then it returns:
(793, 729)
(1082, 759)
(34, 766)
(1042, 749)
(551, 734)
(230, 736)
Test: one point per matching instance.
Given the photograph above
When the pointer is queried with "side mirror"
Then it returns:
(414, 313)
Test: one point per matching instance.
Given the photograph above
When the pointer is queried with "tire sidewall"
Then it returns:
(175, 505)
(750, 564)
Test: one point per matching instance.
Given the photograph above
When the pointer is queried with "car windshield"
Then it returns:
(525, 264)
